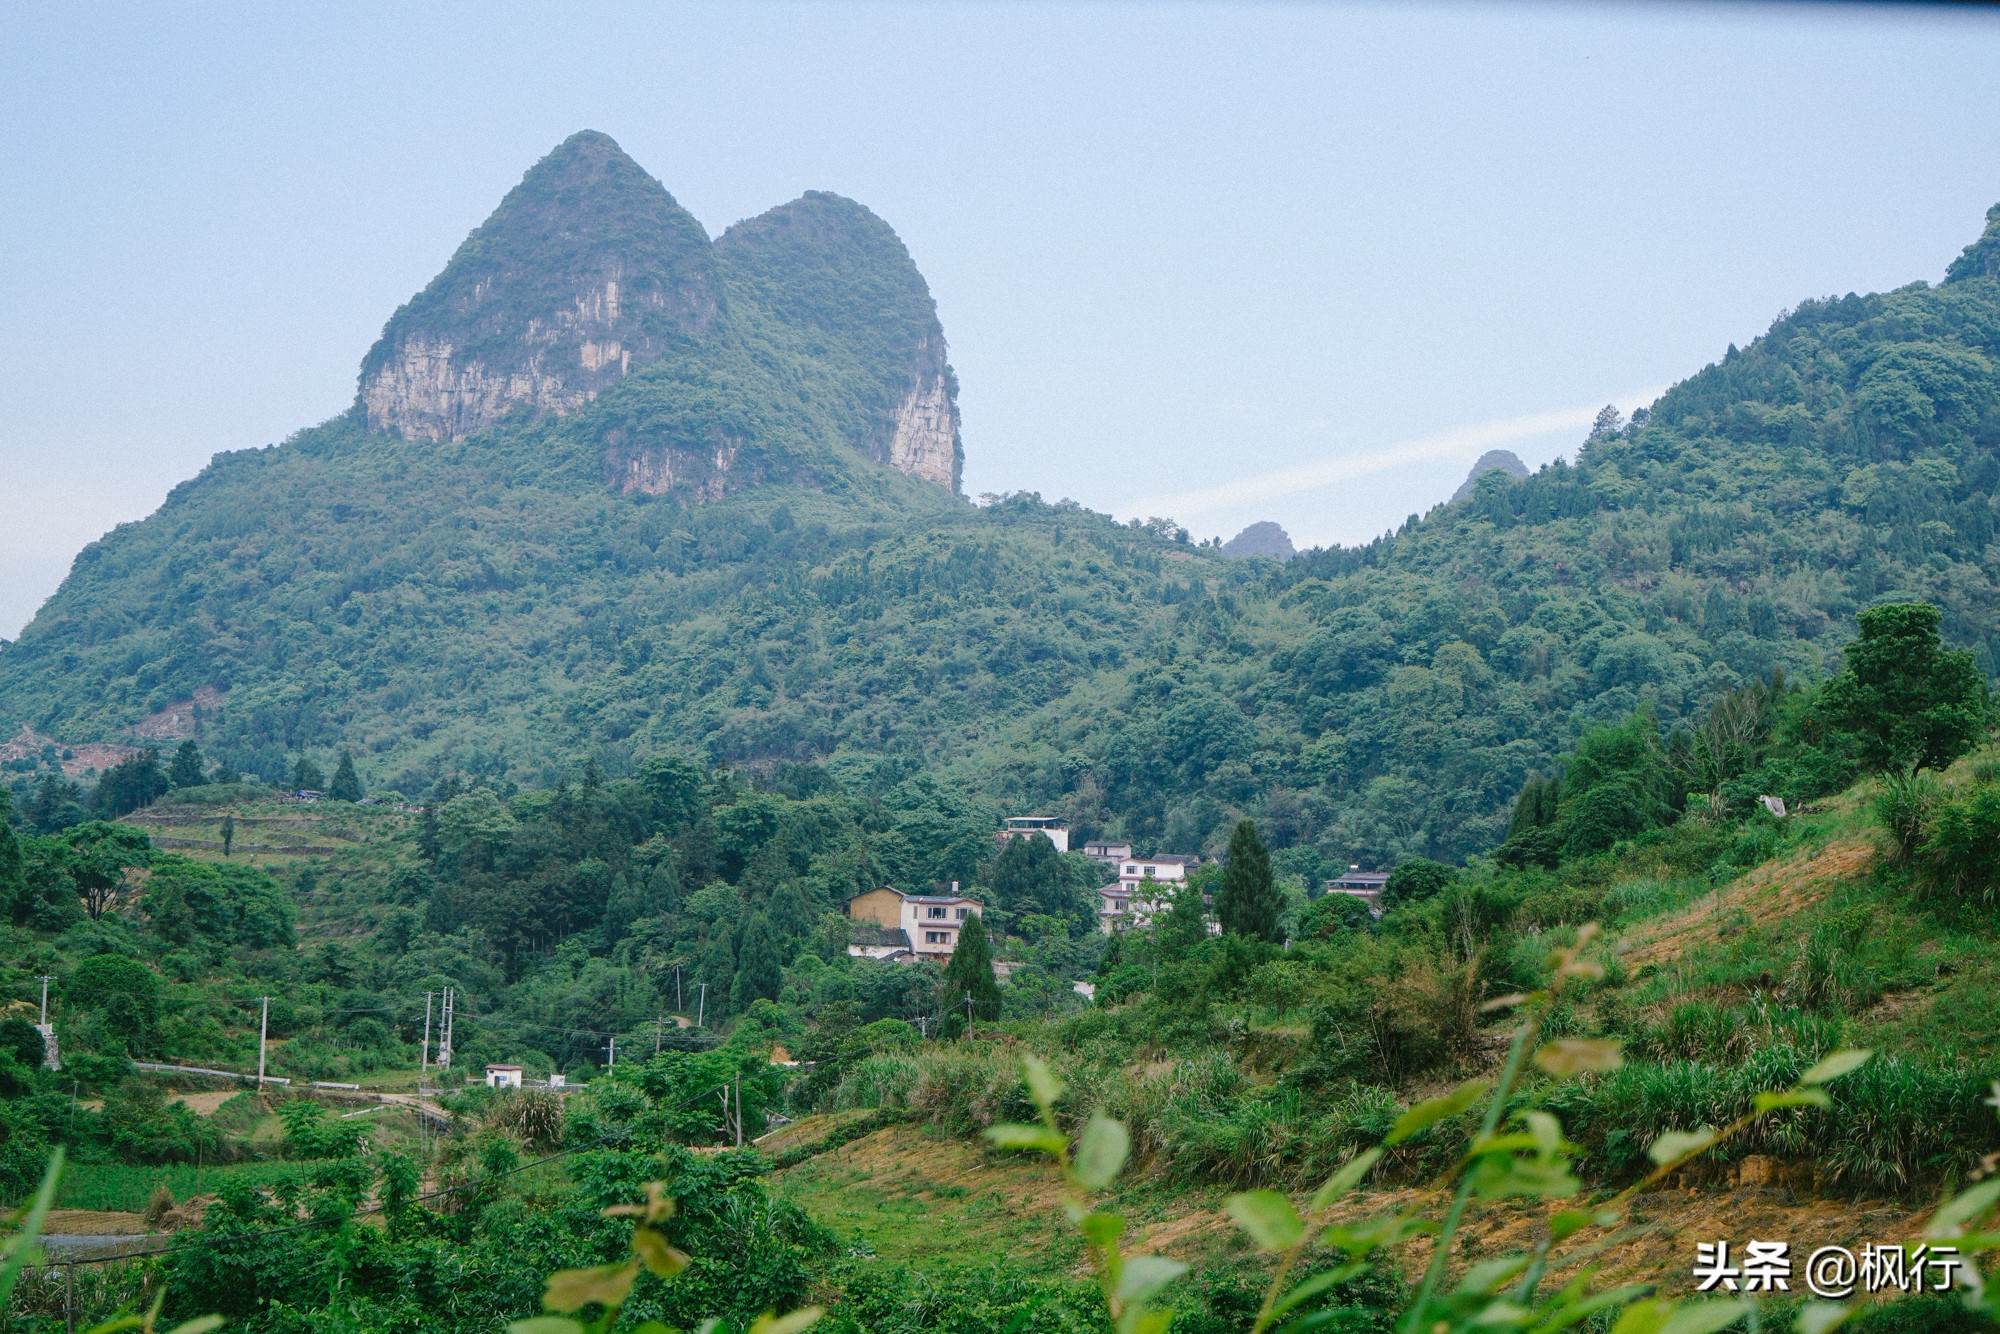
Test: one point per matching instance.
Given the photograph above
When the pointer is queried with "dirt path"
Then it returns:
(205, 1104)
(94, 1223)
(898, 1190)
(1779, 889)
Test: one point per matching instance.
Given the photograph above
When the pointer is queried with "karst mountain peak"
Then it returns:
(589, 274)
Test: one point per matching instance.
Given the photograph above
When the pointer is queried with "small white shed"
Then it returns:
(503, 1076)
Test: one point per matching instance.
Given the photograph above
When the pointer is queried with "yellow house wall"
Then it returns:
(878, 906)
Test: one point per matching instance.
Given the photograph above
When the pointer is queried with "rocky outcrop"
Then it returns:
(925, 443)
(1264, 538)
(587, 269)
(700, 476)
(1493, 460)
(425, 393)
(181, 719)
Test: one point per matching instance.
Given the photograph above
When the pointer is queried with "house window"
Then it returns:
(1130, 869)
(964, 913)
(935, 913)
(936, 937)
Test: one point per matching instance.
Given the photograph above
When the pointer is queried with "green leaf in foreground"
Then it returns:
(1664, 1317)
(1678, 1144)
(1577, 1056)
(1437, 1109)
(1268, 1217)
(1346, 1178)
(1836, 1064)
(1961, 1209)
(1775, 1101)
(1012, 1135)
(25, 1244)
(606, 1285)
(1043, 1086)
(1144, 1275)
(1819, 1317)
(1101, 1152)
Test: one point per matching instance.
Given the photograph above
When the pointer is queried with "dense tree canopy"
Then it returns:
(1911, 700)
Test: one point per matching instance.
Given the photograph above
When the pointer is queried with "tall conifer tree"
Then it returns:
(970, 973)
(186, 768)
(346, 782)
(1249, 903)
(759, 973)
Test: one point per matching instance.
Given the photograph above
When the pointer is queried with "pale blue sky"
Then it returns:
(1231, 259)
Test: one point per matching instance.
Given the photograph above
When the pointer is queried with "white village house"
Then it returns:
(1144, 889)
(1052, 827)
(889, 924)
(503, 1076)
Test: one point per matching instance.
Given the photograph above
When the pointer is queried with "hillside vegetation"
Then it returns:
(1681, 752)
(494, 607)
(1681, 947)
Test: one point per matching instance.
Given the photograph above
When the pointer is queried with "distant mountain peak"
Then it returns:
(806, 326)
(1493, 460)
(1263, 538)
(587, 268)
(1982, 258)
(829, 265)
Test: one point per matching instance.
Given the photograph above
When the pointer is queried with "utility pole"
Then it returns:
(702, 1011)
(659, 1030)
(679, 1007)
(968, 1014)
(424, 1068)
(612, 1048)
(444, 1038)
(45, 1001)
(739, 1111)
(263, 1032)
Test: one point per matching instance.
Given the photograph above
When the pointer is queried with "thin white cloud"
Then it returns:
(1464, 441)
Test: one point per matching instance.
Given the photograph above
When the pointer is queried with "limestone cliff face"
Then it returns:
(587, 268)
(698, 475)
(925, 440)
(428, 393)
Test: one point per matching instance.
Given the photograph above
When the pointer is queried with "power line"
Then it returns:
(734, 1082)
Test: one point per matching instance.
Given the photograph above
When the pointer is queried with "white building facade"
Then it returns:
(1145, 889)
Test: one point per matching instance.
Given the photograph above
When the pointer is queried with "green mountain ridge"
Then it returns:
(802, 330)
(710, 556)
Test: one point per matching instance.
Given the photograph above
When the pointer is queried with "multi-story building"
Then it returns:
(1145, 886)
(893, 925)
(1052, 827)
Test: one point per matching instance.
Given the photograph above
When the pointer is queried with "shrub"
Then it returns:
(1961, 856)
(1905, 806)
(1894, 1125)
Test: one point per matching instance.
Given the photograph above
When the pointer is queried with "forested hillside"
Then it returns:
(1789, 1017)
(499, 607)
